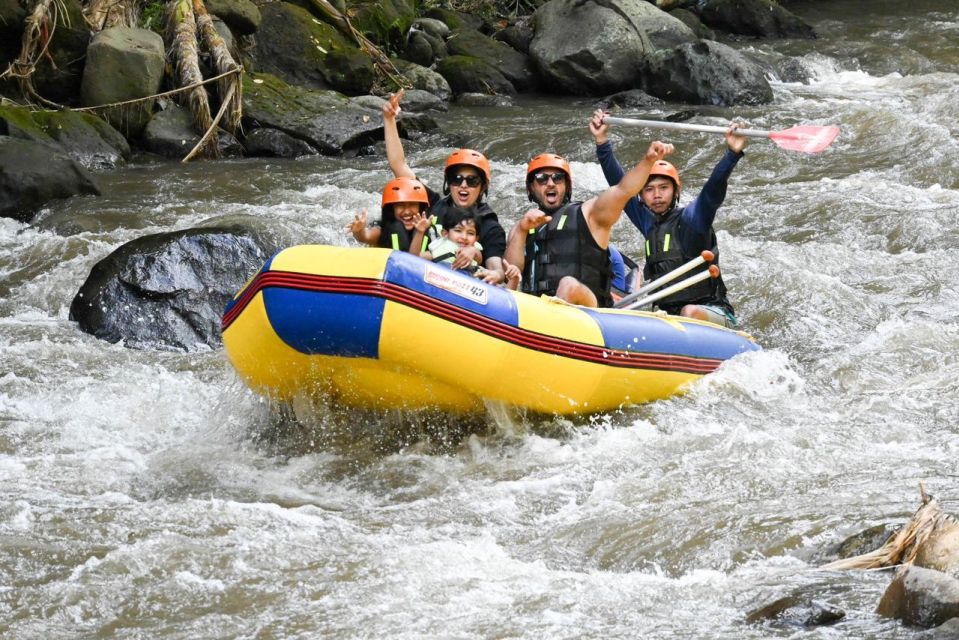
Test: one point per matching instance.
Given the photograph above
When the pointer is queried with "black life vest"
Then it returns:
(665, 252)
(393, 235)
(566, 247)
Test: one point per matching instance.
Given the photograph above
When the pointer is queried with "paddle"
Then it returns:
(705, 256)
(807, 138)
(713, 272)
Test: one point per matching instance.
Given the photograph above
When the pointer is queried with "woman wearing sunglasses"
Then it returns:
(466, 182)
(562, 247)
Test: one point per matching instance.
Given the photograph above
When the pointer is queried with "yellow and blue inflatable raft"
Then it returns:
(383, 329)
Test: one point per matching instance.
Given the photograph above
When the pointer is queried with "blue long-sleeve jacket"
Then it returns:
(698, 215)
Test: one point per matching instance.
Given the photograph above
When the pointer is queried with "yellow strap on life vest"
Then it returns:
(666, 243)
(647, 248)
(396, 241)
(562, 222)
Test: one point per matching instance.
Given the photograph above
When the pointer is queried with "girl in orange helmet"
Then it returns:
(466, 181)
(403, 204)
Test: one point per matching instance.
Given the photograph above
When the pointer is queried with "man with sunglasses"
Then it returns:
(675, 235)
(466, 179)
(561, 246)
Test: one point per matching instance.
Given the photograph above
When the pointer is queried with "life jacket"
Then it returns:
(664, 252)
(393, 235)
(444, 250)
(566, 247)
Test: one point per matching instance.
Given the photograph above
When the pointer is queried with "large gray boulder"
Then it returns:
(300, 49)
(759, 18)
(921, 597)
(330, 122)
(124, 64)
(82, 136)
(512, 64)
(585, 48)
(276, 144)
(242, 16)
(467, 74)
(706, 72)
(168, 290)
(32, 174)
(425, 79)
(170, 134)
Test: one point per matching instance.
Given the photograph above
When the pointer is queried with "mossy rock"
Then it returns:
(467, 74)
(385, 22)
(82, 136)
(455, 20)
(303, 50)
(327, 120)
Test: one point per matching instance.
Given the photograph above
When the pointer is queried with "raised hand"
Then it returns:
(734, 141)
(513, 275)
(598, 127)
(391, 108)
(359, 223)
(658, 150)
(422, 223)
(534, 219)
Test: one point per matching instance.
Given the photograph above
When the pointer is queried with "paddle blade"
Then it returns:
(809, 139)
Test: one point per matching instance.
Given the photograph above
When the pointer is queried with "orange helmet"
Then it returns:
(549, 160)
(471, 159)
(665, 169)
(405, 190)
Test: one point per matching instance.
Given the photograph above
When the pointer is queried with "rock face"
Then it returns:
(585, 49)
(921, 597)
(706, 72)
(297, 47)
(168, 290)
(170, 134)
(124, 64)
(82, 136)
(329, 122)
(759, 18)
(242, 16)
(32, 174)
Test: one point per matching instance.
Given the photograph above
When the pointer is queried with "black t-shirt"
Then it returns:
(491, 233)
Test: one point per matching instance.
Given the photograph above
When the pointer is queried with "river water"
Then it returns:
(149, 494)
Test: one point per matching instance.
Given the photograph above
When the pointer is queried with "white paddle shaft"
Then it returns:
(683, 126)
(679, 286)
(663, 279)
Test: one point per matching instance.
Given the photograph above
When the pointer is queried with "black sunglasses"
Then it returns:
(543, 177)
(470, 180)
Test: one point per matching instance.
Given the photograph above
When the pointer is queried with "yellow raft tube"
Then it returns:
(383, 329)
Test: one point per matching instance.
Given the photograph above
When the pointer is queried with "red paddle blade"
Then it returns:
(809, 139)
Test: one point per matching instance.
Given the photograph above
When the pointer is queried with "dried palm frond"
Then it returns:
(102, 14)
(381, 62)
(38, 30)
(902, 547)
(181, 32)
(223, 62)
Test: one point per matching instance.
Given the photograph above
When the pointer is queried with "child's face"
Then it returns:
(406, 212)
(463, 234)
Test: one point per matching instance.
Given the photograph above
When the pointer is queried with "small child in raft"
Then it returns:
(460, 229)
(404, 202)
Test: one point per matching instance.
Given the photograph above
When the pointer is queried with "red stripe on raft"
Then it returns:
(469, 319)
